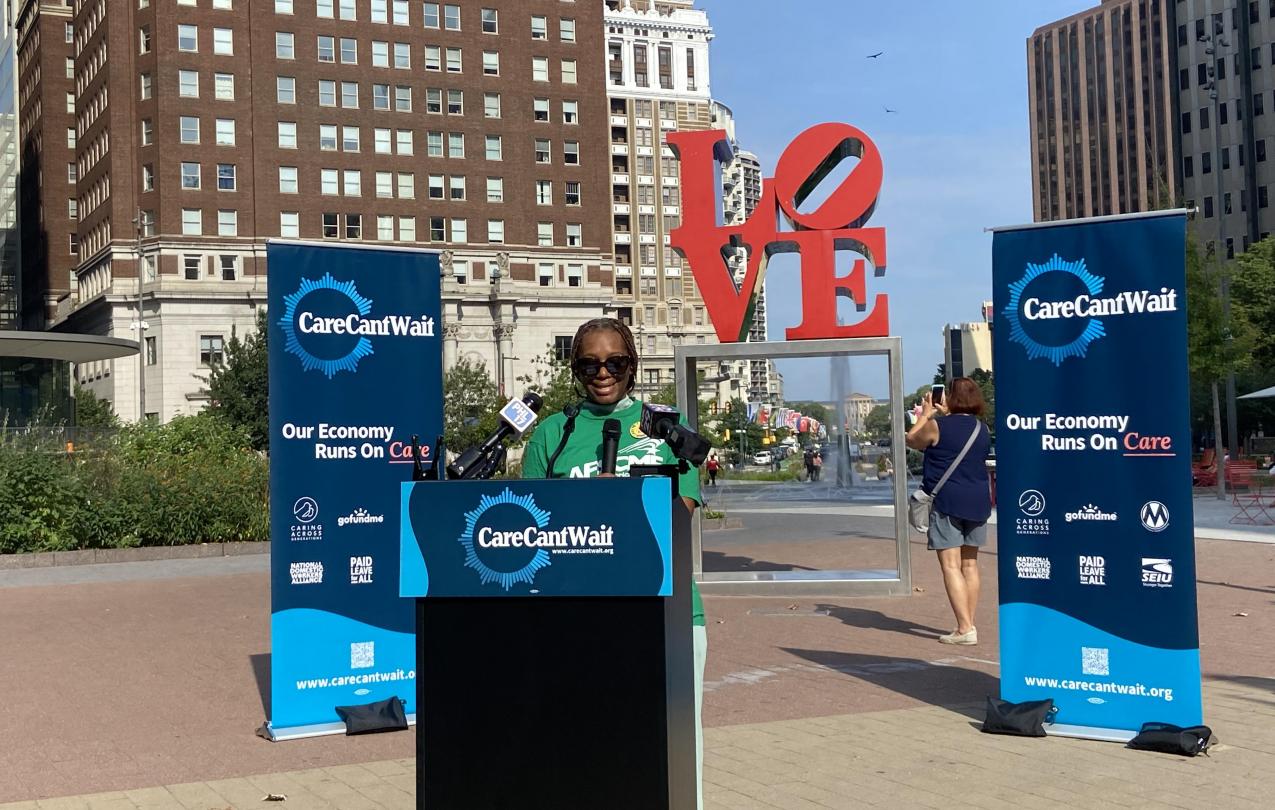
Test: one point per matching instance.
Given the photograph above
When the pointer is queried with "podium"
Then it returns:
(554, 664)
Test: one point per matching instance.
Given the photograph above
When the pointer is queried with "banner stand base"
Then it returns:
(273, 734)
(1116, 735)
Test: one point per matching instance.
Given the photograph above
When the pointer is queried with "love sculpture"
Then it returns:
(837, 224)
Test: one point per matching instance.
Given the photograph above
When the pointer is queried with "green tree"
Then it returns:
(940, 374)
(239, 384)
(1253, 302)
(735, 419)
(877, 423)
(551, 378)
(987, 385)
(471, 405)
(93, 412)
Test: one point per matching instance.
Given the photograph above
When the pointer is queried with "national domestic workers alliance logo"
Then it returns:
(507, 539)
(1055, 310)
(327, 324)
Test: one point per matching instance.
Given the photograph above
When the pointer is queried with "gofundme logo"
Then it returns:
(1090, 512)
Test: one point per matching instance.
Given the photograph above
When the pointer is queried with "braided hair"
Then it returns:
(613, 325)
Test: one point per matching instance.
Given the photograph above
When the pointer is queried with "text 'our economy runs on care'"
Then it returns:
(343, 442)
(1059, 432)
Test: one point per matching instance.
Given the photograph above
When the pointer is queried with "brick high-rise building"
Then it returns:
(10, 147)
(1102, 105)
(185, 133)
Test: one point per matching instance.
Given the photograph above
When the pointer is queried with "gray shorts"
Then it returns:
(953, 532)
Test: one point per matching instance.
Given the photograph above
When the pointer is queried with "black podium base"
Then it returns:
(533, 703)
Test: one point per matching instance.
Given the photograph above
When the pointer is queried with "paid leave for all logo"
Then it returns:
(508, 539)
(1093, 570)
(330, 326)
(1056, 309)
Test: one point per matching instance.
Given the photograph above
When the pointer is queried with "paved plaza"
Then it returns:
(139, 685)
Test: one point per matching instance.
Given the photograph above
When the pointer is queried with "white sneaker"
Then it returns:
(966, 639)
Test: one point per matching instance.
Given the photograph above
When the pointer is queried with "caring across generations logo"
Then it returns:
(1157, 572)
(305, 511)
(329, 325)
(1032, 504)
(1032, 567)
(1093, 570)
(1089, 512)
(1154, 516)
(1064, 318)
(358, 517)
(507, 539)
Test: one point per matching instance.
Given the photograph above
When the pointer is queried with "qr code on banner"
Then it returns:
(363, 655)
(1093, 661)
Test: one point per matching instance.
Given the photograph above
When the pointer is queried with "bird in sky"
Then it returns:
(875, 55)
(887, 109)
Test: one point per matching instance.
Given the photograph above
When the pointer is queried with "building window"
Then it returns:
(455, 102)
(434, 144)
(562, 346)
(327, 49)
(405, 142)
(227, 223)
(188, 38)
(455, 144)
(540, 68)
(327, 137)
(152, 352)
(347, 10)
(327, 93)
(402, 56)
(544, 237)
(212, 349)
(433, 57)
(543, 150)
(571, 153)
(331, 229)
(437, 229)
(544, 192)
(407, 185)
(349, 51)
(192, 222)
(187, 83)
(575, 275)
(350, 95)
(325, 9)
(1261, 150)
(286, 89)
(400, 12)
(380, 97)
(575, 237)
(384, 182)
(289, 224)
(407, 229)
(567, 29)
(288, 180)
(353, 226)
(540, 109)
(491, 105)
(568, 71)
(539, 27)
(224, 86)
(282, 6)
(287, 135)
(431, 15)
(451, 17)
(460, 272)
(329, 181)
(491, 63)
(1261, 198)
(190, 175)
(189, 129)
(570, 112)
(491, 21)
(192, 267)
(225, 132)
(544, 274)
(1188, 166)
(229, 266)
(148, 223)
(284, 45)
(148, 177)
(380, 54)
(460, 231)
(403, 98)
(385, 227)
(453, 60)
(349, 139)
(493, 147)
(436, 187)
(495, 189)
(496, 231)
(572, 195)
(456, 187)
(223, 42)
(145, 89)
(225, 177)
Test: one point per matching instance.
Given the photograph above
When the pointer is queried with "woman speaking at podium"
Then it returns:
(568, 444)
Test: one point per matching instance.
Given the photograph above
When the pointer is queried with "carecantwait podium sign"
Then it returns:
(1095, 528)
(355, 372)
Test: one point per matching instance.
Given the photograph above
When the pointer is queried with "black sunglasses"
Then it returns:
(617, 365)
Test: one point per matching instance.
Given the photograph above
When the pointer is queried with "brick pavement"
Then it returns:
(923, 757)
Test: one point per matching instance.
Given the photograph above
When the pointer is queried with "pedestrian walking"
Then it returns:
(817, 465)
(956, 444)
(712, 465)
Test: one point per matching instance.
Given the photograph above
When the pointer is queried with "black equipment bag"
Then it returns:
(1025, 719)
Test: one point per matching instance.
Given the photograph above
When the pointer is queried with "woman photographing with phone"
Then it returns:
(956, 445)
(569, 444)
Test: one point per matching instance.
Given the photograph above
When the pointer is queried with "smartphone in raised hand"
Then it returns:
(936, 394)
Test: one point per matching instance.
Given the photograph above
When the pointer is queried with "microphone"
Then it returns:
(661, 422)
(610, 445)
(515, 418)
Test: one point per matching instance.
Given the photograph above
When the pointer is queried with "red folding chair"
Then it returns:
(1250, 509)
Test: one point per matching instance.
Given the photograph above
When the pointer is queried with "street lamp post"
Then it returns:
(1214, 42)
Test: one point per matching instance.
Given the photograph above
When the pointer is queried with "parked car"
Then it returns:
(762, 458)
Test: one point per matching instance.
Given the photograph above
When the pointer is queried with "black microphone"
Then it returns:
(610, 445)
(515, 418)
(661, 422)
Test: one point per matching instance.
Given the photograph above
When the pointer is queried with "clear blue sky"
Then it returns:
(956, 153)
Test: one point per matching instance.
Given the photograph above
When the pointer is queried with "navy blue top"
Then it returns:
(966, 494)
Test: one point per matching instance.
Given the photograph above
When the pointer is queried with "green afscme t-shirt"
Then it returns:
(581, 456)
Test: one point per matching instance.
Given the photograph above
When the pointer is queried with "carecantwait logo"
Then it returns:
(1154, 516)
(1157, 572)
(515, 549)
(1024, 308)
(306, 573)
(1091, 512)
(1032, 567)
(328, 325)
(358, 516)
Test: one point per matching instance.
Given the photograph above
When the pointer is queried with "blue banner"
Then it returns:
(355, 372)
(1095, 528)
(568, 537)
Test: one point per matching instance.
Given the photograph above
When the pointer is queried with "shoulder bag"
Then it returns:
(922, 503)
